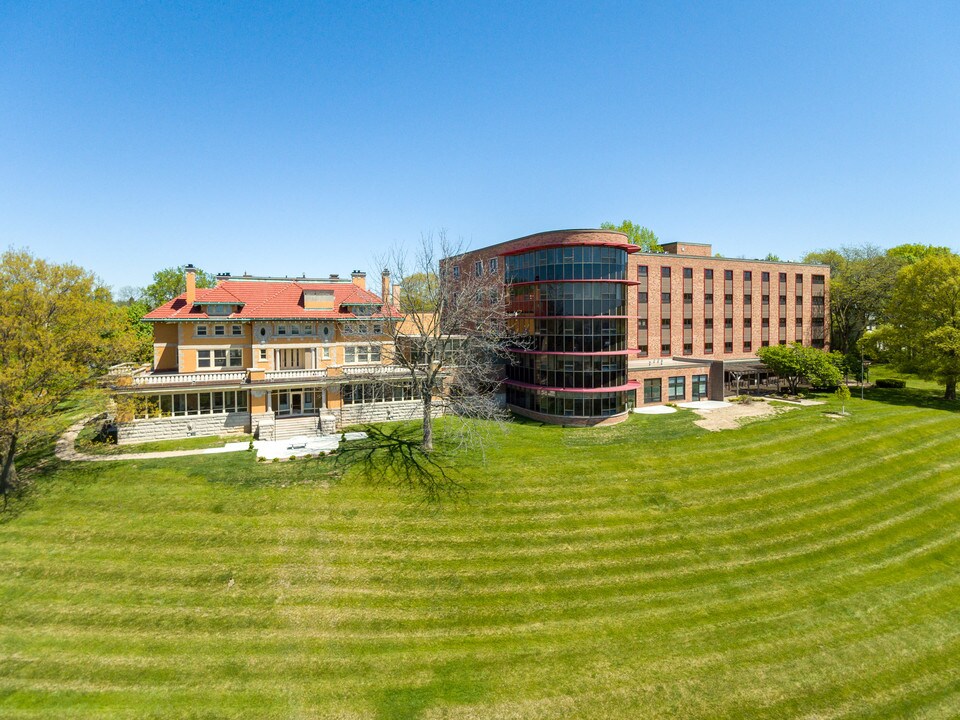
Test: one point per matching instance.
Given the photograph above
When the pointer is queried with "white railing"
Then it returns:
(375, 370)
(295, 374)
(190, 378)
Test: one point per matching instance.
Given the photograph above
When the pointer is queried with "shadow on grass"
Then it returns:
(910, 397)
(453, 683)
(393, 456)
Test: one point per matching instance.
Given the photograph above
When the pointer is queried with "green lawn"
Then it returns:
(87, 443)
(798, 567)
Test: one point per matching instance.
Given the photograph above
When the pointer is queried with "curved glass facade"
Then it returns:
(559, 299)
(570, 262)
(569, 371)
(558, 302)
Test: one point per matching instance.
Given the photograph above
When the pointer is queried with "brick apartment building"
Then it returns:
(612, 327)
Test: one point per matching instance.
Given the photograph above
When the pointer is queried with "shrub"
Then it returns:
(890, 383)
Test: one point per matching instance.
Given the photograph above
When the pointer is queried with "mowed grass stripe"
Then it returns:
(790, 570)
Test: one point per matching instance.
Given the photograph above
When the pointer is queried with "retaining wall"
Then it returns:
(175, 428)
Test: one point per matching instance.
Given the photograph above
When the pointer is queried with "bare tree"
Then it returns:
(452, 354)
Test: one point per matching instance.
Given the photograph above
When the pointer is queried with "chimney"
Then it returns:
(385, 286)
(191, 284)
(395, 296)
(359, 279)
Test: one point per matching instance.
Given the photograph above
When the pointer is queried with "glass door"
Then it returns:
(296, 402)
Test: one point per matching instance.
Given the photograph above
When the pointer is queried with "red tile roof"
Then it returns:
(262, 299)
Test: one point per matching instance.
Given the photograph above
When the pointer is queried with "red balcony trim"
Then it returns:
(579, 280)
(631, 385)
(628, 351)
(628, 247)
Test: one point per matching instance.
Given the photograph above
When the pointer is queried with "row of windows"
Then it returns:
(361, 354)
(184, 404)
(666, 348)
(219, 358)
(296, 401)
(560, 299)
(585, 405)
(676, 389)
(643, 297)
(665, 272)
(579, 262)
(581, 336)
(217, 330)
(568, 371)
(367, 393)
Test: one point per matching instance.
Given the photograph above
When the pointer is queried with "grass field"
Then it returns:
(798, 567)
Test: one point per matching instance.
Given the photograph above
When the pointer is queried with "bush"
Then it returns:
(890, 383)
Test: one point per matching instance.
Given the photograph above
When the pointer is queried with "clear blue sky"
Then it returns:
(284, 138)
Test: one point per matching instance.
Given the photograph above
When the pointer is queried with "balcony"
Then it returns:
(199, 378)
(378, 370)
(295, 374)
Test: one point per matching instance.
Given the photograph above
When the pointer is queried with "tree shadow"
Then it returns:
(909, 397)
(393, 456)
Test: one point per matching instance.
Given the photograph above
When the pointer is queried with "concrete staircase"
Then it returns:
(286, 428)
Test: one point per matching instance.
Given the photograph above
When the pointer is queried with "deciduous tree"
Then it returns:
(170, 282)
(637, 234)
(796, 363)
(923, 332)
(59, 329)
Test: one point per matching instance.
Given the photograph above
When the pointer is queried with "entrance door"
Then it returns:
(296, 402)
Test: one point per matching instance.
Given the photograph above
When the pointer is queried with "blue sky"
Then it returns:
(285, 138)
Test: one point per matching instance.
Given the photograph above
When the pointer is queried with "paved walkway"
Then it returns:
(66, 449)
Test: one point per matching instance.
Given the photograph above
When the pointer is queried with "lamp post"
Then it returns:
(861, 372)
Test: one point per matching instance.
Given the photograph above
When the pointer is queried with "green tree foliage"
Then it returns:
(170, 282)
(418, 291)
(842, 394)
(923, 332)
(639, 235)
(862, 279)
(771, 257)
(141, 333)
(59, 329)
(796, 363)
(910, 253)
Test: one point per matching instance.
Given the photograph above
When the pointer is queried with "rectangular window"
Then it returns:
(263, 354)
(665, 349)
(456, 271)
(664, 272)
(748, 299)
(236, 329)
(747, 345)
(478, 268)
(294, 329)
(728, 347)
(203, 358)
(708, 323)
(219, 330)
(492, 265)
(698, 387)
(201, 330)
(708, 298)
(728, 274)
(676, 388)
(236, 358)
(688, 273)
(747, 276)
(642, 298)
(708, 348)
(688, 298)
(665, 298)
(708, 274)
(642, 324)
(642, 271)
(651, 390)
(665, 323)
(281, 329)
(219, 358)
(765, 277)
(688, 348)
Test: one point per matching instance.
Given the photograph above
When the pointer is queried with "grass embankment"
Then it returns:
(87, 443)
(797, 567)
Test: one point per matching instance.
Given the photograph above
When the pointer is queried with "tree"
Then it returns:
(171, 282)
(796, 363)
(639, 235)
(923, 332)
(843, 394)
(59, 329)
(453, 351)
(417, 291)
(771, 257)
(910, 253)
(861, 281)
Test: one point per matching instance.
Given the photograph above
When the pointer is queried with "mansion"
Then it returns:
(609, 328)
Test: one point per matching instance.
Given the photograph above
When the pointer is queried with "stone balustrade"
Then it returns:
(295, 374)
(238, 376)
